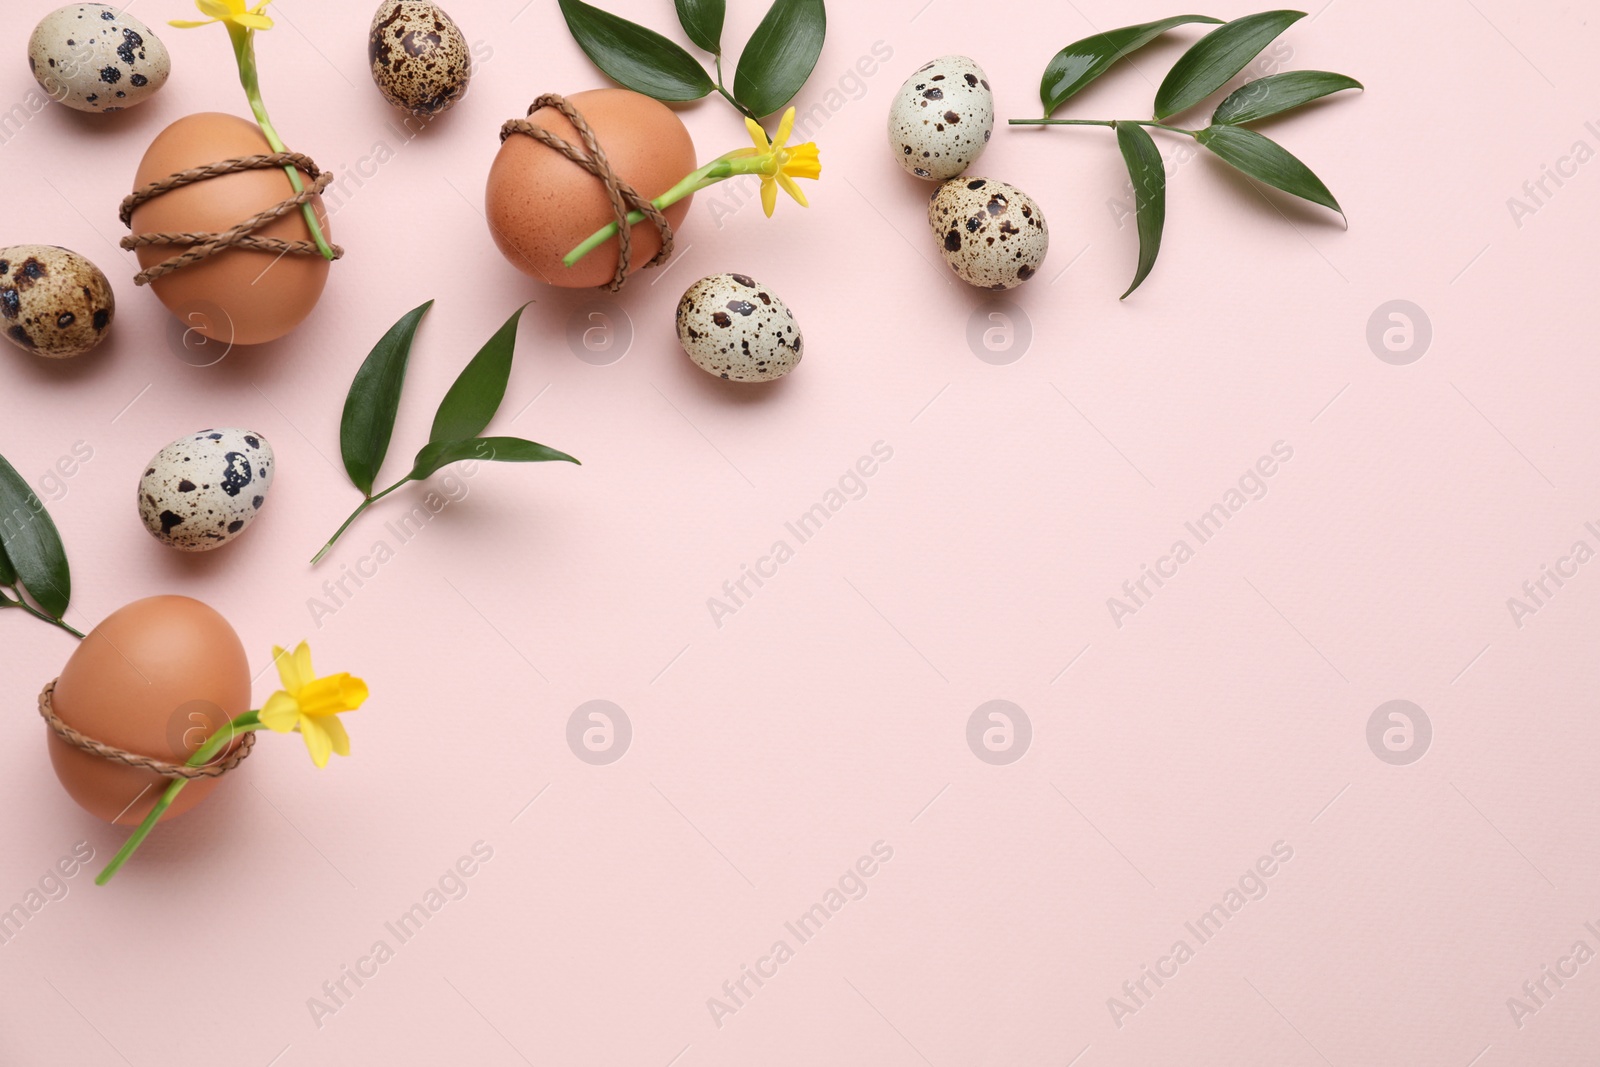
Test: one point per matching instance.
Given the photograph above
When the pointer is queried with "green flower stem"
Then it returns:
(7, 602)
(250, 720)
(718, 170)
(356, 514)
(1112, 123)
(244, 50)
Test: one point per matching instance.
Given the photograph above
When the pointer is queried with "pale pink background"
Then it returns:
(830, 712)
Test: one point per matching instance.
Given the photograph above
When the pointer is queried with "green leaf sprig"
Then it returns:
(463, 415)
(773, 67)
(33, 563)
(1205, 68)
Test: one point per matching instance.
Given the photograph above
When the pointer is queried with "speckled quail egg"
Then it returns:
(53, 302)
(201, 491)
(420, 61)
(735, 328)
(992, 234)
(942, 118)
(93, 57)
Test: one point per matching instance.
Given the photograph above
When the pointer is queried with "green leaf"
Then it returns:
(8, 573)
(474, 398)
(780, 55)
(374, 399)
(31, 544)
(1218, 56)
(1148, 172)
(1278, 93)
(702, 21)
(437, 454)
(1081, 62)
(1267, 161)
(638, 58)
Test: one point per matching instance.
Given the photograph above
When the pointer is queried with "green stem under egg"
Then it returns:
(218, 741)
(244, 50)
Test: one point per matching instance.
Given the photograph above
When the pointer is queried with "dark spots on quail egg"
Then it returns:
(110, 75)
(741, 307)
(722, 318)
(169, 521)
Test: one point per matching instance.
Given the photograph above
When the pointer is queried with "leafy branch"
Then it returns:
(773, 67)
(464, 413)
(1204, 69)
(33, 563)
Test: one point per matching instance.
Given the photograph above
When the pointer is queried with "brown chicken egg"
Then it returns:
(541, 205)
(156, 678)
(239, 296)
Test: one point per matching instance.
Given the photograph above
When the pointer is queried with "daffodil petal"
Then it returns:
(189, 24)
(252, 22)
(804, 151)
(280, 713)
(318, 743)
(331, 695)
(769, 195)
(302, 663)
(758, 135)
(219, 9)
(785, 128)
(792, 189)
(336, 734)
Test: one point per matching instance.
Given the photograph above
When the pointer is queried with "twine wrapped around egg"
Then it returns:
(133, 759)
(202, 246)
(592, 158)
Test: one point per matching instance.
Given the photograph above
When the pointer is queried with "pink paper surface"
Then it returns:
(823, 722)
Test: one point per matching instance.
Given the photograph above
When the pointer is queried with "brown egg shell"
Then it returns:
(541, 205)
(239, 296)
(156, 678)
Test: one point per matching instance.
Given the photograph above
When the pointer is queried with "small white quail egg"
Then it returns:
(92, 57)
(992, 234)
(420, 60)
(201, 491)
(735, 328)
(942, 118)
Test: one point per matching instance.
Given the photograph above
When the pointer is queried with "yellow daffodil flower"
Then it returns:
(780, 164)
(774, 162)
(311, 704)
(228, 12)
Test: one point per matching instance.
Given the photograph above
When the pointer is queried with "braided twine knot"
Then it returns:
(201, 246)
(133, 759)
(592, 158)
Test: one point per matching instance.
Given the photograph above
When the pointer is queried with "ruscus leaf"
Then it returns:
(1218, 56)
(1278, 93)
(8, 573)
(780, 55)
(1148, 172)
(32, 545)
(639, 58)
(702, 21)
(374, 400)
(437, 454)
(1267, 161)
(474, 398)
(1081, 62)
